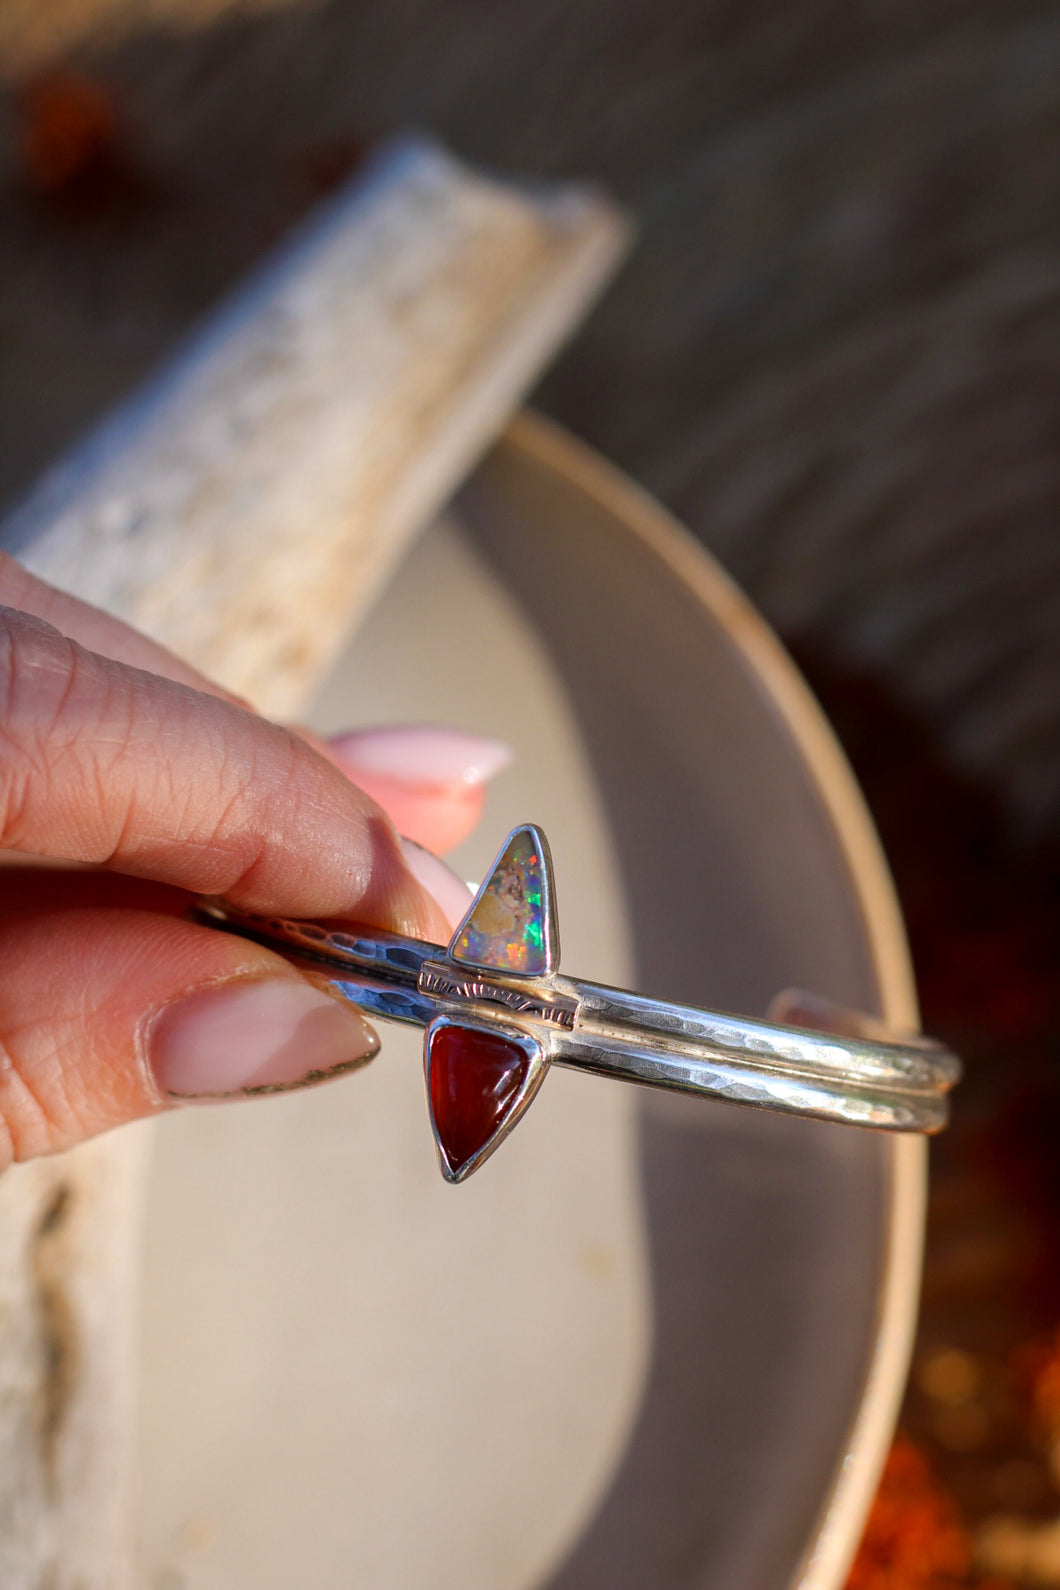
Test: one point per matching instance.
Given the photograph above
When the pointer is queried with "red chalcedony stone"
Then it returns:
(474, 1079)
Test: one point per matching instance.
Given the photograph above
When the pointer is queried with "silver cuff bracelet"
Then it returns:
(498, 1013)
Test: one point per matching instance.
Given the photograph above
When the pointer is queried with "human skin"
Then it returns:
(128, 784)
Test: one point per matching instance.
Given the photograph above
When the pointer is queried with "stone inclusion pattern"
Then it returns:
(505, 929)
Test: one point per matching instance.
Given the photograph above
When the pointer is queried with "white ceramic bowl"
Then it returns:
(656, 1342)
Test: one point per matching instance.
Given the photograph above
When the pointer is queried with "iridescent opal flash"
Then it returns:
(510, 925)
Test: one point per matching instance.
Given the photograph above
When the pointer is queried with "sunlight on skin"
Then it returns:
(129, 783)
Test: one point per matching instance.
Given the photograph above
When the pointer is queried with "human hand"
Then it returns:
(135, 783)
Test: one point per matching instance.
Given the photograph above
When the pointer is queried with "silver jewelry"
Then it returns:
(498, 1014)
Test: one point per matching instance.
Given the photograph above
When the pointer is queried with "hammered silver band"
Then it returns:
(897, 1085)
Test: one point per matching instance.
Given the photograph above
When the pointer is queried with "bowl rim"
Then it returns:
(841, 1518)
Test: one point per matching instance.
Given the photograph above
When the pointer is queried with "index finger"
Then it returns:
(104, 763)
(96, 630)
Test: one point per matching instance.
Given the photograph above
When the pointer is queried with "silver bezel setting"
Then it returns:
(535, 1075)
(550, 921)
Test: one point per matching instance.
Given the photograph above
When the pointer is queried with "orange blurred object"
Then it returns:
(1045, 1387)
(914, 1539)
(69, 125)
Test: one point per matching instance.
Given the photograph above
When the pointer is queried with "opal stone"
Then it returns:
(507, 928)
(474, 1079)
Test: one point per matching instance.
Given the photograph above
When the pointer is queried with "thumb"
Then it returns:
(111, 1014)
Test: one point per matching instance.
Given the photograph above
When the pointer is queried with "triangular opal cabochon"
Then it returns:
(511, 925)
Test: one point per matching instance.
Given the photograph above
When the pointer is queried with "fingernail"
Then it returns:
(261, 1035)
(422, 754)
(440, 881)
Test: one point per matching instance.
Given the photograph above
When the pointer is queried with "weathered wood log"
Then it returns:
(246, 507)
(243, 511)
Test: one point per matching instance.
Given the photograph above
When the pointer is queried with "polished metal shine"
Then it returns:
(861, 1075)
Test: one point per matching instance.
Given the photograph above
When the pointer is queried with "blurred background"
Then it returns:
(834, 353)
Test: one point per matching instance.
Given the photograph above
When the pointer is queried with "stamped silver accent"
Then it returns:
(445, 983)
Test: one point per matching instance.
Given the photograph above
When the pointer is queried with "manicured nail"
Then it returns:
(440, 881)
(261, 1035)
(422, 754)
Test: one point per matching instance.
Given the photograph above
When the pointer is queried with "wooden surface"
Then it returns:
(833, 353)
(249, 506)
(244, 511)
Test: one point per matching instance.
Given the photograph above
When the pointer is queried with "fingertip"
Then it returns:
(448, 891)
(254, 1036)
(112, 1015)
(439, 819)
(430, 780)
(421, 754)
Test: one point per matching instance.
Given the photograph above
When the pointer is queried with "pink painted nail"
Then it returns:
(422, 754)
(450, 891)
(261, 1035)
